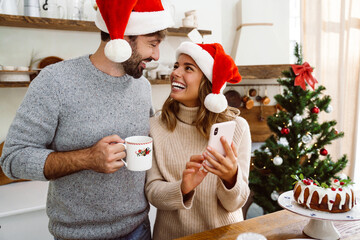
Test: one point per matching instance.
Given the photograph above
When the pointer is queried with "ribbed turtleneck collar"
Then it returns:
(187, 114)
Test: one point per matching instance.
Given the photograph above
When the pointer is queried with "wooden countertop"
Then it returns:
(279, 225)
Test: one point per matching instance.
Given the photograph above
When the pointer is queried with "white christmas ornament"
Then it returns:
(278, 160)
(297, 118)
(306, 138)
(283, 141)
(329, 109)
(267, 150)
(274, 195)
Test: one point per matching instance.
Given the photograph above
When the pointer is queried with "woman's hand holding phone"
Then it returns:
(193, 174)
(223, 166)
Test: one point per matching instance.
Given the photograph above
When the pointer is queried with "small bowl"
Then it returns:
(189, 13)
(186, 22)
(22, 68)
(152, 65)
(9, 68)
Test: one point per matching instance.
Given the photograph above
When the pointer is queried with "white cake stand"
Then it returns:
(320, 225)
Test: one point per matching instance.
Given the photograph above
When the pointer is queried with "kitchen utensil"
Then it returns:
(265, 99)
(252, 92)
(261, 116)
(48, 61)
(249, 103)
(233, 97)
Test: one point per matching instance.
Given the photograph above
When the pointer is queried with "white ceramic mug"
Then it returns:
(188, 22)
(138, 153)
(9, 7)
(31, 8)
(75, 9)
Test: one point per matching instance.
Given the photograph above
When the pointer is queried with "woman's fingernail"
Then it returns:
(209, 148)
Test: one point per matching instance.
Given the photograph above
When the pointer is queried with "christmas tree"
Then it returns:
(299, 140)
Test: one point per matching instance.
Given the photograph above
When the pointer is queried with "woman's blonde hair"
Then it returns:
(205, 119)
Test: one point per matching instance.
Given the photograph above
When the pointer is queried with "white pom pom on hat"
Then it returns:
(118, 50)
(131, 18)
(218, 67)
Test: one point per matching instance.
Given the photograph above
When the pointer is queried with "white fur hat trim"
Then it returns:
(141, 23)
(202, 58)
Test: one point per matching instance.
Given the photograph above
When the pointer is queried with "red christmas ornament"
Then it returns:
(315, 110)
(285, 131)
(323, 152)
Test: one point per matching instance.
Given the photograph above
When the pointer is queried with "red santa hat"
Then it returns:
(218, 67)
(130, 18)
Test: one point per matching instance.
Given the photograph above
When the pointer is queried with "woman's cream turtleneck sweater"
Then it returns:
(211, 204)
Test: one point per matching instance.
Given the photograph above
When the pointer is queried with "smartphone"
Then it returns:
(218, 130)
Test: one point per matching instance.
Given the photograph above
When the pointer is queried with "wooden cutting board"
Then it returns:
(259, 129)
(3, 178)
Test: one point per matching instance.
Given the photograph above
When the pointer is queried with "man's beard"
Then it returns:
(132, 65)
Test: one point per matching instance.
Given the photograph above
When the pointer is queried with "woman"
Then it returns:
(190, 196)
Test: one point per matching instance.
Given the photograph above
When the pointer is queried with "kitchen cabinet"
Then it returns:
(23, 211)
(71, 25)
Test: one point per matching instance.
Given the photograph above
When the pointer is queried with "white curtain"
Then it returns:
(331, 44)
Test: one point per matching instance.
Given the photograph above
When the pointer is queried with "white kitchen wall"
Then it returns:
(219, 16)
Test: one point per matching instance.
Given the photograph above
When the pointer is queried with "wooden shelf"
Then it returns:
(249, 73)
(46, 23)
(183, 31)
(14, 84)
(263, 71)
(72, 25)
(159, 81)
(17, 71)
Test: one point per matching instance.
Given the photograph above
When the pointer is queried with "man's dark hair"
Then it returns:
(162, 33)
(105, 36)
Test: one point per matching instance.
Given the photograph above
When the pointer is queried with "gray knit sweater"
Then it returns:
(71, 105)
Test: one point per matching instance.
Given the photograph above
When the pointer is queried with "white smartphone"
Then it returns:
(218, 130)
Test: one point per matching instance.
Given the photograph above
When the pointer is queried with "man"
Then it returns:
(71, 118)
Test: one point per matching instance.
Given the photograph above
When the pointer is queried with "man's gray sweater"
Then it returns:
(71, 105)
